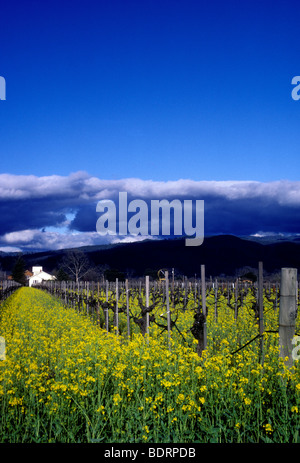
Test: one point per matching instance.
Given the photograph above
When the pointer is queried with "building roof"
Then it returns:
(41, 275)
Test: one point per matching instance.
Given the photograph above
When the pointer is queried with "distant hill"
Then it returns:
(222, 255)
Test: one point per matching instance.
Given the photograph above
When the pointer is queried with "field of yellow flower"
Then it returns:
(64, 379)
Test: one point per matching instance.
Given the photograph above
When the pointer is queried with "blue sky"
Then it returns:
(152, 90)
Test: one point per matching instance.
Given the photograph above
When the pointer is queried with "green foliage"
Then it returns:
(18, 272)
(62, 275)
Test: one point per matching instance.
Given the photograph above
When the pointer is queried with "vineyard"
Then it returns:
(146, 361)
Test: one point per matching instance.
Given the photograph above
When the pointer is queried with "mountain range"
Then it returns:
(223, 255)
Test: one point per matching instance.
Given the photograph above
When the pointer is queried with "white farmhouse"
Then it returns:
(38, 276)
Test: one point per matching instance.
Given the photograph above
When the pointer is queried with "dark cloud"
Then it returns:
(36, 203)
(85, 219)
(248, 216)
(30, 213)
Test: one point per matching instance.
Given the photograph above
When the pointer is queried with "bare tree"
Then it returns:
(76, 264)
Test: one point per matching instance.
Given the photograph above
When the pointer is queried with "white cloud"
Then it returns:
(38, 239)
(84, 188)
(10, 249)
(23, 236)
(52, 240)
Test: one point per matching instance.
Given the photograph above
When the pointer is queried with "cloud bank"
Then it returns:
(55, 212)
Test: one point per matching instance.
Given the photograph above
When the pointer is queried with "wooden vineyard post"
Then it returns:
(261, 307)
(236, 289)
(173, 299)
(185, 293)
(228, 293)
(198, 329)
(117, 307)
(203, 291)
(216, 299)
(65, 287)
(287, 312)
(78, 296)
(87, 297)
(97, 305)
(168, 308)
(106, 309)
(147, 305)
(127, 307)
